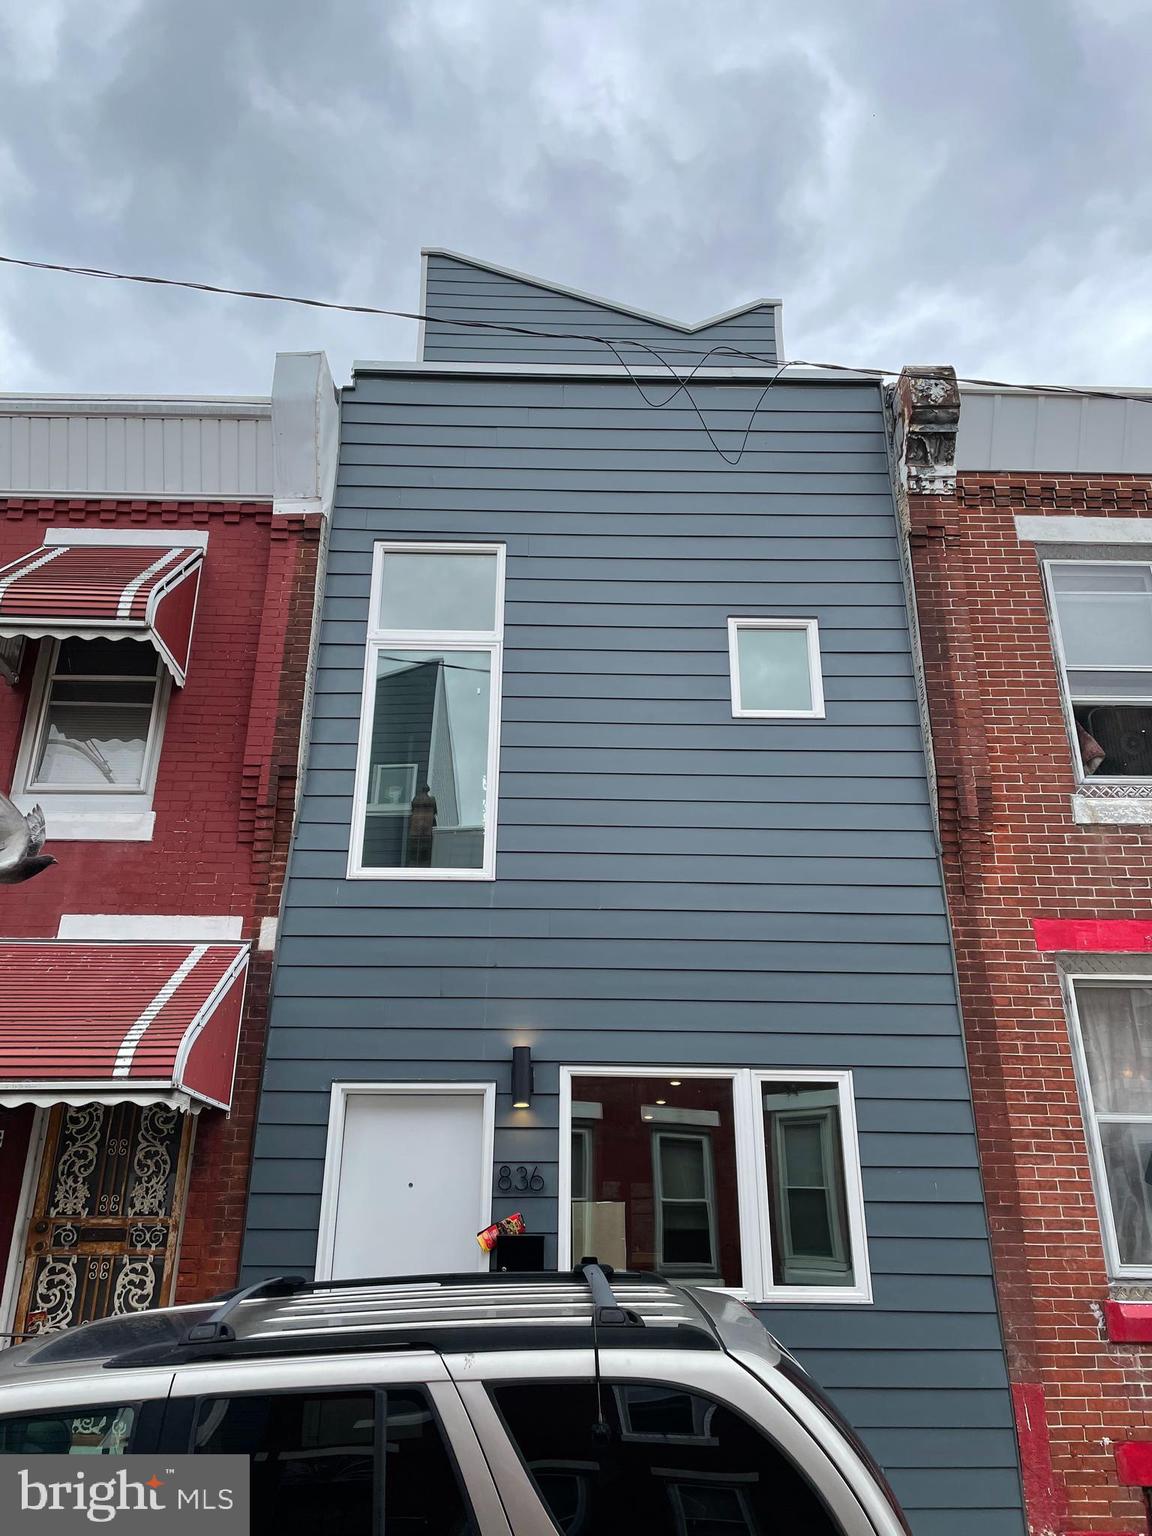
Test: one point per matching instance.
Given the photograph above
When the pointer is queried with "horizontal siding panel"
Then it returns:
(416, 1017)
(608, 897)
(686, 813)
(527, 921)
(610, 955)
(688, 985)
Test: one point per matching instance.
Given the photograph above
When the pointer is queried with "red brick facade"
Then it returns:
(224, 799)
(1013, 855)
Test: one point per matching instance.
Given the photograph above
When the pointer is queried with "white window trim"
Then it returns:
(1082, 777)
(334, 1157)
(751, 1176)
(112, 813)
(811, 628)
(488, 641)
(1111, 1245)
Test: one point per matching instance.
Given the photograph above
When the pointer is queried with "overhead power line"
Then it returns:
(660, 354)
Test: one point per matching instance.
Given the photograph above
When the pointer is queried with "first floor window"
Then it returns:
(1115, 1023)
(665, 1170)
(426, 792)
(1103, 616)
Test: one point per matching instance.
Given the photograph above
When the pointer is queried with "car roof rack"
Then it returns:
(445, 1314)
(606, 1310)
(217, 1329)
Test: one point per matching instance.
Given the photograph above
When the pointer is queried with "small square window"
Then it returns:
(775, 669)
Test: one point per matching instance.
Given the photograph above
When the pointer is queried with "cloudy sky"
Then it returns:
(918, 182)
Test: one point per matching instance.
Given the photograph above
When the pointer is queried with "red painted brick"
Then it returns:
(1013, 858)
(224, 802)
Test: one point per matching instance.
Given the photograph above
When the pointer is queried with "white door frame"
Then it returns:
(334, 1156)
(12, 1270)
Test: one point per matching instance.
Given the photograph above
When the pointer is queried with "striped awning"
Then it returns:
(105, 1022)
(105, 590)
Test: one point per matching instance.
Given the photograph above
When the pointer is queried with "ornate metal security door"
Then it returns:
(103, 1235)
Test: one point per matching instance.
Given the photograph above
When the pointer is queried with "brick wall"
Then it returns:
(224, 801)
(1012, 853)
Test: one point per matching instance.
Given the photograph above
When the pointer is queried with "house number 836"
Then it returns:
(518, 1179)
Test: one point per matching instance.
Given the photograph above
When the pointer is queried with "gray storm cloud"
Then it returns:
(917, 183)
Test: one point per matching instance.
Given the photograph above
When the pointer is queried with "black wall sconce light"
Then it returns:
(521, 1077)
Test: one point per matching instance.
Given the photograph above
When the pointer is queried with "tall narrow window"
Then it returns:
(685, 1205)
(426, 781)
(775, 668)
(1115, 1023)
(1103, 611)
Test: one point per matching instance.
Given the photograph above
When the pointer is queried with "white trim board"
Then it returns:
(334, 1153)
(142, 538)
(1083, 530)
(150, 927)
(546, 286)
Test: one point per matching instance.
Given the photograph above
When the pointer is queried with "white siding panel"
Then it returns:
(129, 452)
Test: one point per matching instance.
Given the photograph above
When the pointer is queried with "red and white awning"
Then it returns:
(105, 590)
(84, 1023)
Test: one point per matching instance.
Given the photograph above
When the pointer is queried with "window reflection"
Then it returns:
(655, 1176)
(428, 764)
(810, 1241)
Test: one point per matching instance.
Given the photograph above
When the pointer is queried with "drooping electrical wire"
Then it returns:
(661, 354)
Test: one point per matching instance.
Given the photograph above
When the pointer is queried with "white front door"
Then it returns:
(408, 1181)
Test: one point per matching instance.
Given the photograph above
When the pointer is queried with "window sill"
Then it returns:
(1122, 810)
(66, 824)
(792, 1295)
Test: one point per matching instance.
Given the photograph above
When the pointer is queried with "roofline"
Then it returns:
(795, 372)
(136, 405)
(579, 293)
(1056, 392)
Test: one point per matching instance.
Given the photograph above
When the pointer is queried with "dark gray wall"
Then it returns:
(672, 885)
(457, 290)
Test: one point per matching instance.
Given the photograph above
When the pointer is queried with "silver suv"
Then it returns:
(466, 1405)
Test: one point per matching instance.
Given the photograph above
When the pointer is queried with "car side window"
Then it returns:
(314, 1459)
(100, 1431)
(672, 1463)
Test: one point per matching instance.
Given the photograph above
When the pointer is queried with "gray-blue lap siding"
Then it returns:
(457, 291)
(673, 886)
